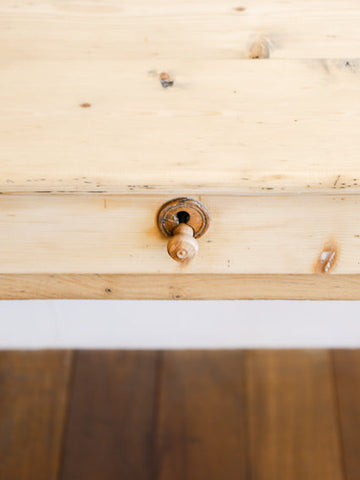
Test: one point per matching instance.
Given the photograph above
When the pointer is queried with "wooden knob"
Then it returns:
(182, 246)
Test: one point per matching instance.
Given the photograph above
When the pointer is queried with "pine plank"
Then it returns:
(139, 137)
(347, 375)
(201, 427)
(110, 427)
(180, 287)
(292, 416)
(162, 30)
(33, 400)
(118, 234)
(285, 123)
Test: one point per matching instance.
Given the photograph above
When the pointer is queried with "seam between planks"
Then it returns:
(340, 435)
(70, 384)
(246, 412)
(154, 451)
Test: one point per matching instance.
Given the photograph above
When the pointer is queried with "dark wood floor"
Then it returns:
(224, 415)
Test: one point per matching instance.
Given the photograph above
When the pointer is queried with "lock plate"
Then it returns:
(196, 214)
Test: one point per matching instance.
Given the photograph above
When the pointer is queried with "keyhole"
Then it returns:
(183, 217)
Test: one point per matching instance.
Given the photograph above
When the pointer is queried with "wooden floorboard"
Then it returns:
(201, 432)
(110, 424)
(293, 428)
(347, 374)
(244, 415)
(33, 399)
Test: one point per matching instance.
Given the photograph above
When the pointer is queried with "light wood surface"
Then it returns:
(118, 234)
(195, 30)
(109, 109)
(83, 108)
(181, 287)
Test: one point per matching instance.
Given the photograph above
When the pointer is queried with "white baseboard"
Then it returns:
(183, 324)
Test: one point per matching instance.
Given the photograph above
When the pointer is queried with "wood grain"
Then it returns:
(347, 375)
(181, 287)
(118, 234)
(207, 29)
(33, 400)
(110, 426)
(176, 414)
(292, 416)
(201, 431)
(93, 115)
(243, 106)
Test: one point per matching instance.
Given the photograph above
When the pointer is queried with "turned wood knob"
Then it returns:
(182, 246)
(183, 220)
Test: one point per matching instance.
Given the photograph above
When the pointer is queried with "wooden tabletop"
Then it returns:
(210, 96)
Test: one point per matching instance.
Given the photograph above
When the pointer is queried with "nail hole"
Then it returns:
(183, 217)
(108, 290)
(166, 80)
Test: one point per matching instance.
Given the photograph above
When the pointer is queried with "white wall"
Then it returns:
(183, 324)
